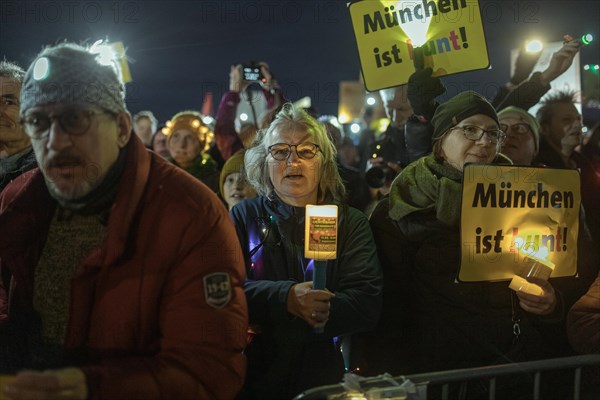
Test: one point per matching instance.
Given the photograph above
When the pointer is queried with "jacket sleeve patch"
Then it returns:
(217, 289)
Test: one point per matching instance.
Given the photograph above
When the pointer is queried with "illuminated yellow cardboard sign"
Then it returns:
(450, 31)
(508, 212)
(119, 50)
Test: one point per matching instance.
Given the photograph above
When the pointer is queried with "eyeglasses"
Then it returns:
(74, 122)
(520, 128)
(475, 133)
(8, 101)
(282, 151)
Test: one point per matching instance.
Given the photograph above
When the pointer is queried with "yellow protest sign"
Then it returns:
(449, 31)
(509, 213)
(119, 50)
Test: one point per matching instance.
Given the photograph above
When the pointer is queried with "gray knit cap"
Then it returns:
(71, 74)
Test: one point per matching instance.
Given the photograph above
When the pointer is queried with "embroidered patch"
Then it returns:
(217, 289)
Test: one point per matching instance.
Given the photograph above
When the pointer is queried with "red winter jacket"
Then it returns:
(142, 319)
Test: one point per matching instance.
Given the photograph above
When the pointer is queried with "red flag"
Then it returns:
(207, 105)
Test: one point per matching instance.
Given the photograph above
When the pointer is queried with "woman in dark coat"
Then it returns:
(430, 322)
(293, 164)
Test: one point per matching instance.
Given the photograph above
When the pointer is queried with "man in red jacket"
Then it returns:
(121, 274)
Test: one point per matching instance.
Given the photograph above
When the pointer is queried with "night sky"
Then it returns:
(181, 49)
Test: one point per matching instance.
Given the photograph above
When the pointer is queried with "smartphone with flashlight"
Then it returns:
(569, 38)
(252, 73)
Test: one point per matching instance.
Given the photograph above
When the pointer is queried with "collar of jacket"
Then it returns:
(277, 207)
(282, 210)
(26, 208)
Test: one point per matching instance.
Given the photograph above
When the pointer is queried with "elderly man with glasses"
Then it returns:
(522, 135)
(120, 278)
(16, 154)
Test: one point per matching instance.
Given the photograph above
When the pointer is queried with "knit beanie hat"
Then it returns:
(461, 106)
(234, 164)
(525, 117)
(72, 74)
(191, 121)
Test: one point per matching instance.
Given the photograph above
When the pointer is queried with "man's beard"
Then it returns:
(73, 192)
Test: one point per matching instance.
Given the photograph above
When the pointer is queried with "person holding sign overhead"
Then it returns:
(292, 165)
(429, 321)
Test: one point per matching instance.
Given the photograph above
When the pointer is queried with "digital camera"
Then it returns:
(252, 73)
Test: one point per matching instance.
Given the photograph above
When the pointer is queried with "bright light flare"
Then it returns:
(416, 30)
(534, 46)
(106, 55)
(243, 117)
(343, 118)
(371, 100)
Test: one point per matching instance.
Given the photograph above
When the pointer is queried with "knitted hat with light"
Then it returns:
(462, 106)
(71, 74)
(193, 122)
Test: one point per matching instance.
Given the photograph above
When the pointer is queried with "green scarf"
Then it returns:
(427, 185)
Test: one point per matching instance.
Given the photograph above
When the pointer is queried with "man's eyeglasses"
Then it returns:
(475, 133)
(73, 122)
(520, 128)
(282, 151)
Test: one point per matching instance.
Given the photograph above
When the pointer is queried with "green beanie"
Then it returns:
(461, 106)
(525, 117)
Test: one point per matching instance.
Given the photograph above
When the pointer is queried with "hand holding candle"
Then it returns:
(310, 305)
(536, 294)
(320, 243)
(540, 304)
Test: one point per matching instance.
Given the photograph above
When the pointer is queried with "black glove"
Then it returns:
(524, 65)
(422, 92)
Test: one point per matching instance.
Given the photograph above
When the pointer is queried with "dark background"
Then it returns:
(181, 49)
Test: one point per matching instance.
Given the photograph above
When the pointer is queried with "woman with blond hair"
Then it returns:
(293, 164)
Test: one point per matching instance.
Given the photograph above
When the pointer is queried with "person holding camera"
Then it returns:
(293, 164)
(227, 139)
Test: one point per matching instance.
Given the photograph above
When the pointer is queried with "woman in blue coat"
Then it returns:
(292, 164)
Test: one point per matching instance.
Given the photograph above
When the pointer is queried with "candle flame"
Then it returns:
(416, 30)
(530, 250)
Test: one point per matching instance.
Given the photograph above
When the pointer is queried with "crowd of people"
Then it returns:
(148, 260)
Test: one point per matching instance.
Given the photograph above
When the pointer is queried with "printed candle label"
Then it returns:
(323, 234)
(320, 240)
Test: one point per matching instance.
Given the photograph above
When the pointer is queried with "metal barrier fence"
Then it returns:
(444, 379)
